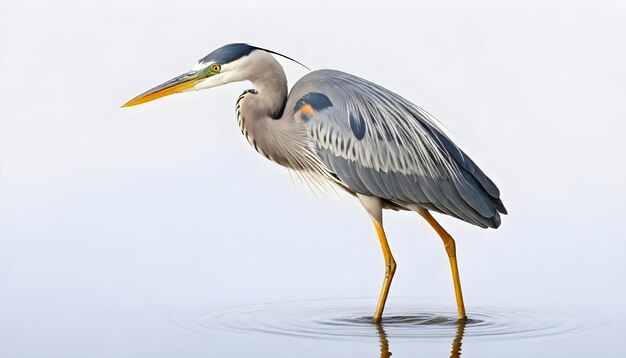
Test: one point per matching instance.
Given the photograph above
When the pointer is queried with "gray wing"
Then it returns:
(380, 144)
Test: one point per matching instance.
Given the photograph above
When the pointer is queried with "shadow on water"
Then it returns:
(455, 351)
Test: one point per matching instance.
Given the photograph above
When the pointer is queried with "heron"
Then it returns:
(339, 130)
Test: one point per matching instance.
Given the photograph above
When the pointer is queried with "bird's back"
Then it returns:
(378, 143)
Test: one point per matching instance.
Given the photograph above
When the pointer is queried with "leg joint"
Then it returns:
(450, 246)
(390, 268)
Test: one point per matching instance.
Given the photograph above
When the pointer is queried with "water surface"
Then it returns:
(419, 325)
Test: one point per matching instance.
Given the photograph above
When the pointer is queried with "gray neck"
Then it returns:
(260, 111)
(270, 127)
(270, 83)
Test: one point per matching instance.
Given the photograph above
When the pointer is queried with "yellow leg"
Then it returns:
(390, 269)
(450, 246)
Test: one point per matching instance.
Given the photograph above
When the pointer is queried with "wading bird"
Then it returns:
(339, 129)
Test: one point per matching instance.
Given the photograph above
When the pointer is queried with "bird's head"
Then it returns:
(230, 63)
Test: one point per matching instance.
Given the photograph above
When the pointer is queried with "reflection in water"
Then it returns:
(406, 319)
(425, 325)
(456, 343)
(384, 342)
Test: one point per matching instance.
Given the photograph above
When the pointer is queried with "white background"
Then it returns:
(109, 213)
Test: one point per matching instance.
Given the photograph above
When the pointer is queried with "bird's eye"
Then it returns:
(216, 68)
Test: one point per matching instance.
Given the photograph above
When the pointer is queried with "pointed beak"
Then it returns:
(182, 83)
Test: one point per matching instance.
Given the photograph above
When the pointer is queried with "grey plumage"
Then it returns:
(339, 129)
(380, 144)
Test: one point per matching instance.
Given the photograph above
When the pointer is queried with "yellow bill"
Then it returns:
(182, 83)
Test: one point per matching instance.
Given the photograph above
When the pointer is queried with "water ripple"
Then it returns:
(404, 318)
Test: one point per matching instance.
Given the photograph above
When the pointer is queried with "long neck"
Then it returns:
(260, 115)
(271, 95)
(270, 83)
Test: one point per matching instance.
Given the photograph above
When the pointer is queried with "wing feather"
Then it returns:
(380, 144)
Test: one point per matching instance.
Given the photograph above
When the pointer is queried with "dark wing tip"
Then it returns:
(500, 206)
